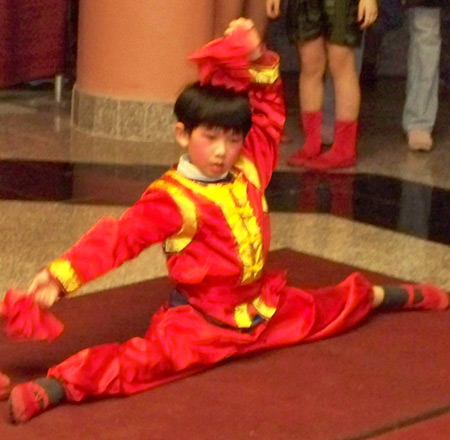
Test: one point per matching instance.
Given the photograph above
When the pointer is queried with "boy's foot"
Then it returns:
(420, 140)
(426, 297)
(27, 401)
(5, 386)
(411, 297)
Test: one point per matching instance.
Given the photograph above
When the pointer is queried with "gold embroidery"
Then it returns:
(242, 317)
(265, 206)
(63, 271)
(188, 213)
(265, 75)
(263, 309)
(251, 172)
(249, 169)
(232, 199)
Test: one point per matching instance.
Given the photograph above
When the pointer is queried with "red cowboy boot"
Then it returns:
(343, 151)
(311, 122)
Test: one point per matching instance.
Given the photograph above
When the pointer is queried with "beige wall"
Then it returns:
(137, 49)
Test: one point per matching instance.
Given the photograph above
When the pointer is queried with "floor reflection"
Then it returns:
(408, 207)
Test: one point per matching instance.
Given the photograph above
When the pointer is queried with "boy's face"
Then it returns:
(212, 150)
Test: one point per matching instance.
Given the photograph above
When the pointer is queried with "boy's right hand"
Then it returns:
(45, 288)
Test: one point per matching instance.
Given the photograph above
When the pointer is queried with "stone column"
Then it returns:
(132, 64)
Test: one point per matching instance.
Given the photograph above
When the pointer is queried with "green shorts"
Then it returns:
(336, 20)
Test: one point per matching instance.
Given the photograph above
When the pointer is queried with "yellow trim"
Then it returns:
(188, 213)
(249, 169)
(265, 75)
(252, 174)
(263, 309)
(265, 206)
(232, 199)
(63, 271)
(242, 317)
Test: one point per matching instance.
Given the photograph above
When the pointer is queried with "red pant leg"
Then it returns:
(181, 342)
(306, 315)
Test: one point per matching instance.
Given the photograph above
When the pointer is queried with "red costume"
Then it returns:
(216, 238)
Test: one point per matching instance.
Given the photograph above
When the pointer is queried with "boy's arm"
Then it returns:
(109, 243)
(230, 62)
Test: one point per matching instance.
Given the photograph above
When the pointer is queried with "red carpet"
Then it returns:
(388, 379)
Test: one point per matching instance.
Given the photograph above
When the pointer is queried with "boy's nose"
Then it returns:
(221, 148)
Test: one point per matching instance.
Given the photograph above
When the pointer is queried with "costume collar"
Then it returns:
(187, 169)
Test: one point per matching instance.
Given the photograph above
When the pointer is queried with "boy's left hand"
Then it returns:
(367, 13)
(253, 40)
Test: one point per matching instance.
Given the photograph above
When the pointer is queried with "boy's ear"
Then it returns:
(181, 135)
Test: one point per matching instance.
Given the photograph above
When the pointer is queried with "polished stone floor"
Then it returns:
(389, 214)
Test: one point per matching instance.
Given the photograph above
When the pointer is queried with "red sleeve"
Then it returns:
(224, 62)
(111, 242)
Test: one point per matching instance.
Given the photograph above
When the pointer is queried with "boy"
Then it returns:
(326, 33)
(211, 214)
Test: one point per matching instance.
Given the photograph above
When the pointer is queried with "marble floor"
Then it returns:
(389, 214)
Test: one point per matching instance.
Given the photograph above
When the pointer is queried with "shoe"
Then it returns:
(312, 146)
(5, 386)
(27, 401)
(343, 151)
(433, 298)
(420, 140)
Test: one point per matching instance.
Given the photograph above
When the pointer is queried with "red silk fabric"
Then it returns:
(224, 62)
(187, 338)
(181, 341)
(209, 270)
(26, 320)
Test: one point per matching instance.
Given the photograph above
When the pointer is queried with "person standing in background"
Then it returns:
(227, 10)
(326, 34)
(419, 113)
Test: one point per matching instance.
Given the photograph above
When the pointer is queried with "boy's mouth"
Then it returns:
(217, 167)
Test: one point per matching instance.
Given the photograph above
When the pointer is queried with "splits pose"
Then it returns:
(210, 213)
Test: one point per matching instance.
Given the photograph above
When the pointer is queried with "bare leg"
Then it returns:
(345, 79)
(328, 98)
(341, 62)
(224, 12)
(313, 62)
(256, 11)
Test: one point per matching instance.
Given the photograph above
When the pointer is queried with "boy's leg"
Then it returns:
(313, 63)
(329, 104)
(178, 343)
(256, 11)
(32, 398)
(410, 297)
(347, 95)
(224, 12)
(421, 104)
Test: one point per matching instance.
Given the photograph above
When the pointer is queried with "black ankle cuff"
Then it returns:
(395, 297)
(53, 388)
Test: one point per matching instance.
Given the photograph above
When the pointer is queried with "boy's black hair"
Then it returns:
(213, 106)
